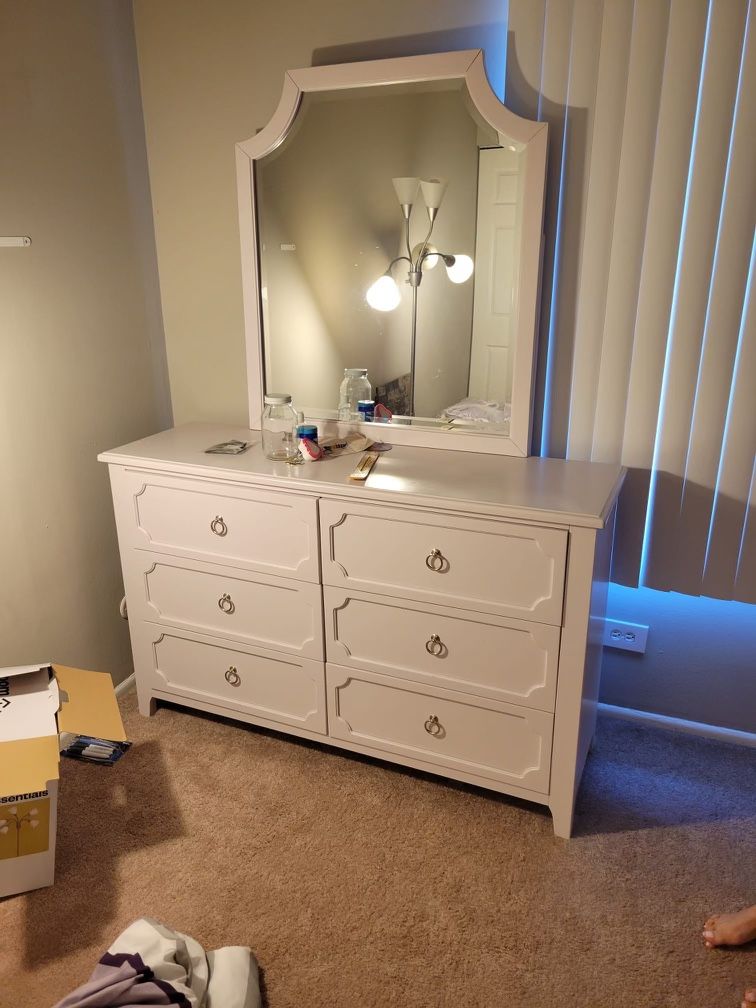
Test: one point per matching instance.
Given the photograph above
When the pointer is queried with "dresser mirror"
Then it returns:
(390, 218)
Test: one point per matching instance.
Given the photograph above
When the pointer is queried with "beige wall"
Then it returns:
(699, 661)
(211, 75)
(80, 354)
(81, 366)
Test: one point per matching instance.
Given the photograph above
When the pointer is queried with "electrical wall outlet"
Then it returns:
(626, 636)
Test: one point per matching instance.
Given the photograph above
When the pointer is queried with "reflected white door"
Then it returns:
(496, 268)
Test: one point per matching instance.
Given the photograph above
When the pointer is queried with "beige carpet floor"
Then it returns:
(359, 885)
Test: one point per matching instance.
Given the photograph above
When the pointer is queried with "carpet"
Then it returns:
(359, 884)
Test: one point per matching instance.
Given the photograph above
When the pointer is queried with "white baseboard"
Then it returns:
(126, 686)
(731, 735)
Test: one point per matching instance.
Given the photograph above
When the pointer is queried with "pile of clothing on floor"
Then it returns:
(149, 964)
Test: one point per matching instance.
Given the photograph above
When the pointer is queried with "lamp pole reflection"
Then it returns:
(384, 294)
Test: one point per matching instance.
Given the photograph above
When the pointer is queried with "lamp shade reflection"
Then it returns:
(406, 190)
(433, 192)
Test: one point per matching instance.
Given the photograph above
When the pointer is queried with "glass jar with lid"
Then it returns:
(279, 428)
(355, 386)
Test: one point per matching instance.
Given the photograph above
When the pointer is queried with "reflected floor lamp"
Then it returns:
(384, 294)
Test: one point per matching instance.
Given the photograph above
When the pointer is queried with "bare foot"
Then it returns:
(731, 929)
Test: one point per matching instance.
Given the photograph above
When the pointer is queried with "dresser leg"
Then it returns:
(146, 702)
(561, 815)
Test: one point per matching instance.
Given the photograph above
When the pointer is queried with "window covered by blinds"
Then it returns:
(648, 327)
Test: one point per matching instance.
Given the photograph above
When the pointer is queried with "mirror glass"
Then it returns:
(330, 223)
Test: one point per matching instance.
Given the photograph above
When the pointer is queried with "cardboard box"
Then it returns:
(37, 703)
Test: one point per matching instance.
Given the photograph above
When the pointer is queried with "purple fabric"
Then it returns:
(123, 981)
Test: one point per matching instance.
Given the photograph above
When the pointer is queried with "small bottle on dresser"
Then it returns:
(279, 428)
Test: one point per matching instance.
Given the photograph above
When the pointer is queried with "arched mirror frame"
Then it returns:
(467, 69)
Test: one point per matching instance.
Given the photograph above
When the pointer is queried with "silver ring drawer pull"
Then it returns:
(218, 526)
(435, 560)
(432, 726)
(231, 676)
(226, 604)
(435, 645)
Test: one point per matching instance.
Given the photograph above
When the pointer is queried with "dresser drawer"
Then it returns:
(487, 566)
(278, 613)
(510, 660)
(266, 684)
(276, 533)
(482, 737)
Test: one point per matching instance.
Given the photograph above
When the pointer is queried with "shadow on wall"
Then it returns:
(491, 38)
(699, 542)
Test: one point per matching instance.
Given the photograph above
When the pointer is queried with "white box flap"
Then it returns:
(29, 702)
(16, 670)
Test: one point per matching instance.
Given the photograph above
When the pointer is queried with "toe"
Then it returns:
(710, 931)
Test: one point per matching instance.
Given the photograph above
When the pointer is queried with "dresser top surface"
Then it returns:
(535, 489)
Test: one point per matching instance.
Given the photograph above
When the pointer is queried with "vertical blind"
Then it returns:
(648, 327)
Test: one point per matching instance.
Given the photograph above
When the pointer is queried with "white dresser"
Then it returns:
(445, 615)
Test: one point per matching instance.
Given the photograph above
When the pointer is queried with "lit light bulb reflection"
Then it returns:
(431, 259)
(384, 294)
(461, 270)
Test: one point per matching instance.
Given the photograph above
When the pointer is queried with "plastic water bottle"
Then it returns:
(355, 386)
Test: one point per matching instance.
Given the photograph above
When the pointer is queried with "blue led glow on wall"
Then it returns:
(715, 261)
(745, 523)
(625, 602)
(647, 530)
(553, 314)
(746, 304)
